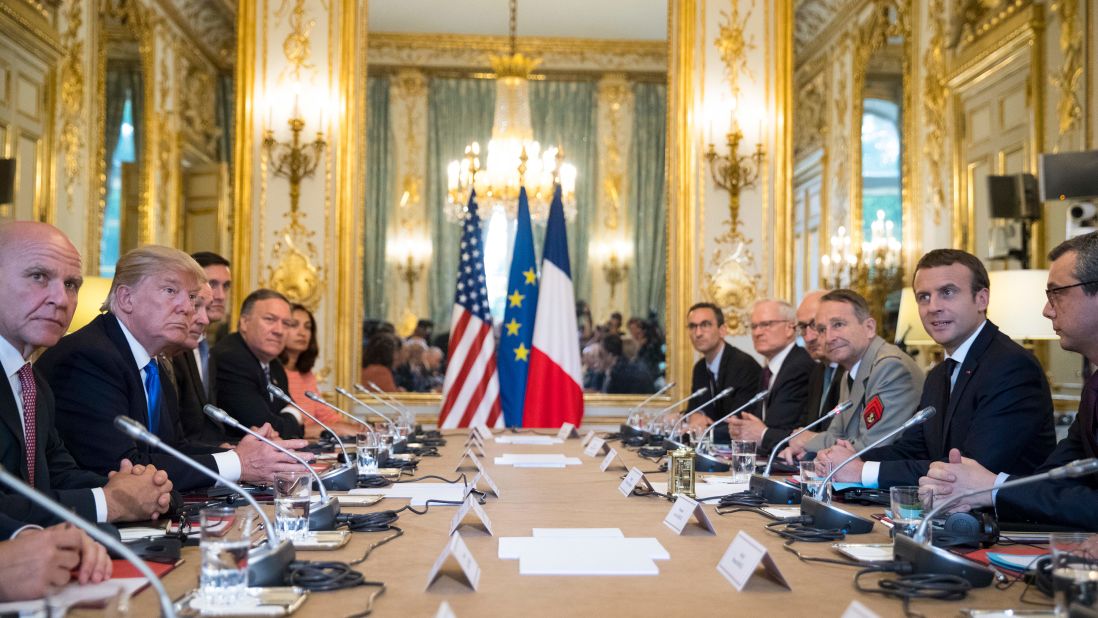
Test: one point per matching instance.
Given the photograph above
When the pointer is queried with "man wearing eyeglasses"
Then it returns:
(785, 376)
(824, 381)
(1072, 295)
(722, 365)
(881, 380)
(992, 398)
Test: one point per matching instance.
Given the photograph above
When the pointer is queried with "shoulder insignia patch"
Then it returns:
(873, 412)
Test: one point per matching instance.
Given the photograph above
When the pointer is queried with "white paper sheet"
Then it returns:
(536, 460)
(417, 493)
(519, 547)
(579, 533)
(583, 555)
(536, 440)
(707, 490)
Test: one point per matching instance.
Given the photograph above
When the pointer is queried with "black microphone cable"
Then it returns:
(742, 499)
(800, 529)
(915, 586)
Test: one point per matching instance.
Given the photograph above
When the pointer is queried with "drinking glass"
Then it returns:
(743, 459)
(368, 450)
(813, 474)
(226, 537)
(908, 509)
(293, 492)
(1074, 569)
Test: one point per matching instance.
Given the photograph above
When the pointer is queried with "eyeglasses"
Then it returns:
(767, 325)
(1053, 293)
(706, 325)
(804, 327)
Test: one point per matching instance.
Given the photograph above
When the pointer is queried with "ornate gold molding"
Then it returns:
(615, 98)
(71, 111)
(975, 18)
(935, 95)
(1069, 75)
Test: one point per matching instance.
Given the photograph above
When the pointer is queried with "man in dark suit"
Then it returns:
(722, 365)
(194, 424)
(622, 375)
(247, 361)
(39, 280)
(992, 397)
(824, 381)
(1071, 502)
(785, 375)
(110, 367)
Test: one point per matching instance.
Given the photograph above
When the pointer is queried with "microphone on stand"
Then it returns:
(698, 408)
(398, 446)
(266, 565)
(706, 463)
(324, 402)
(322, 517)
(348, 395)
(383, 400)
(387, 398)
(627, 429)
(926, 558)
(94, 532)
(826, 516)
(342, 478)
(780, 492)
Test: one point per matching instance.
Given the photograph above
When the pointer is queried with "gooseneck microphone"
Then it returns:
(348, 395)
(698, 408)
(828, 517)
(322, 517)
(401, 414)
(628, 427)
(706, 463)
(342, 478)
(94, 532)
(326, 403)
(387, 398)
(926, 558)
(780, 492)
(266, 565)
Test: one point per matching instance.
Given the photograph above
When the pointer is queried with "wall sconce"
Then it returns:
(294, 160)
(615, 256)
(735, 172)
(410, 254)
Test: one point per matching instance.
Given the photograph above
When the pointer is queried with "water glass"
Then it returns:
(908, 509)
(743, 459)
(293, 492)
(813, 474)
(226, 537)
(368, 451)
(1074, 569)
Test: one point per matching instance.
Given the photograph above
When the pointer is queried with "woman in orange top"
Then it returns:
(378, 361)
(298, 358)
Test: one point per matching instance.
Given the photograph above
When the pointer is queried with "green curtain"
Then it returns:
(379, 195)
(459, 111)
(225, 116)
(648, 200)
(565, 114)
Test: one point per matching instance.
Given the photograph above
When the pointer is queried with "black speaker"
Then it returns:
(1014, 197)
(7, 181)
(1069, 175)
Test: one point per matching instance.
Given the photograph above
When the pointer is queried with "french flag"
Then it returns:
(554, 392)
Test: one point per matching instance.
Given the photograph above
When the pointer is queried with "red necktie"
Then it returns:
(30, 415)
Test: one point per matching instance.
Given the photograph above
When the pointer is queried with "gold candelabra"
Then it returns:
(294, 160)
(735, 172)
(410, 271)
(615, 271)
(875, 270)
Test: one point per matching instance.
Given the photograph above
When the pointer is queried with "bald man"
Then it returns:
(824, 379)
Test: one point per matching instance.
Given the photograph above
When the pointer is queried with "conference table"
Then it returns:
(583, 496)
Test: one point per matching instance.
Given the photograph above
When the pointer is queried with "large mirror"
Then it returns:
(599, 93)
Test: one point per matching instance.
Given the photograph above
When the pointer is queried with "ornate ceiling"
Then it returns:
(812, 17)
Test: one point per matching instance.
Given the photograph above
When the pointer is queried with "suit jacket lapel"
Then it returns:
(9, 412)
(965, 372)
(139, 409)
(857, 393)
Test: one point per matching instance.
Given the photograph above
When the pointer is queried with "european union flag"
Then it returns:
(517, 334)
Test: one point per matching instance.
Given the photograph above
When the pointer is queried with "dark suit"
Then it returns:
(242, 388)
(822, 397)
(194, 423)
(784, 404)
(56, 473)
(738, 370)
(95, 377)
(999, 413)
(1067, 502)
(627, 377)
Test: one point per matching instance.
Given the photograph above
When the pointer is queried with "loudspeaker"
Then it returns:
(1014, 197)
(1069, 175)
(7, 181)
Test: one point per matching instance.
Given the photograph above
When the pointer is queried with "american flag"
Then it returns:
(470, 393)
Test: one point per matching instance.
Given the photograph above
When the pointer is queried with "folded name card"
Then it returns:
(456, 552)
(634, 478)
(471, 505)
(595, 446)
(567, 430)
(612, 460)
(742, 559)
(468, 454)
(682, 511)
(483, 476)
(587, 438)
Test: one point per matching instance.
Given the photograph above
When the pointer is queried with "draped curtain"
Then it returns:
(225, 102)
(123, 80)
(565, 114)
(379, 193)
(648, 200)
(459, 112)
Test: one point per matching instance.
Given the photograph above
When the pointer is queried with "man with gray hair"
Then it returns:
(110, 367)
(785, 375)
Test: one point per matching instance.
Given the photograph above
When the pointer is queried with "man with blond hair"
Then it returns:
(110, 367)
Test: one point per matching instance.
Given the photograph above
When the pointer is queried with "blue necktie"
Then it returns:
(152, 390)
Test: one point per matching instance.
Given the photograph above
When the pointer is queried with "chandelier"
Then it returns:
(513, 158)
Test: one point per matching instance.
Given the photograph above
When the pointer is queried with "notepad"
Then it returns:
(535, 440)
(536, 460)
(417, 493)
(703, 491)
(591, 551)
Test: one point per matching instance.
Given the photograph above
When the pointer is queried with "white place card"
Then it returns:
(471, 504)
(456, 552)
(681, 512)
(587, 437)
(468, 454)
(595, 447)
(634, 478)
(474, 439)
(742, 559)
(483, 431)
(482, 475)
(445, 611)
(567, 430)
(857, 610)
(610, 459)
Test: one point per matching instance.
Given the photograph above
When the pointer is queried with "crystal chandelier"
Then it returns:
(512, 159)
